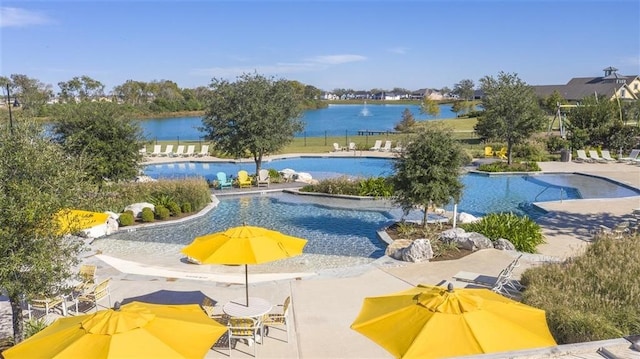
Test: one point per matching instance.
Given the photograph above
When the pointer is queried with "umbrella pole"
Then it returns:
(246, 283)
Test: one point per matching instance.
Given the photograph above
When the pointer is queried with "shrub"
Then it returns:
(174, 208)
(33, 326)
(341, 185)
(530, 151)
(375, 187)
(161, 199)
(594, 296)
(126, 218)
(505, 167)
(556, 143)
(523, 232)
(162, 212)
(147, 214)
(186, 207)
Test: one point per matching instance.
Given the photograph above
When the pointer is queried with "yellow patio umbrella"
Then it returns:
(244, 245)
(437, 322)
(72, 220)
(134, 330)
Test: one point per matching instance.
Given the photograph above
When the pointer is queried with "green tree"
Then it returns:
(31, 93)
(101, 132)
(464, 89)
(82, 88)
(429, 107)
(254, 114)
(407, 122)
(551, 102)
(37, 180)
(590, 123)
(427, 172)
(511, 110)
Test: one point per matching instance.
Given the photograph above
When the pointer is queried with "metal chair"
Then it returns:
(278, 319)
(99, 292)
(46, 306)
(243, 329)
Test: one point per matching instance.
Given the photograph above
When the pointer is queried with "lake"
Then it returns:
(335, 120)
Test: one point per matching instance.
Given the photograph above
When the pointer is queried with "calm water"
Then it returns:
(335, 120)
(482, 194)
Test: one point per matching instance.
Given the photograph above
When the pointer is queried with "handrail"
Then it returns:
(546, 188)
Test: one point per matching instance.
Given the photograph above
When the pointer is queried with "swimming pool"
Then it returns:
(318, 167)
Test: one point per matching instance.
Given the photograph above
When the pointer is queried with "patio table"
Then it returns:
(238, 307)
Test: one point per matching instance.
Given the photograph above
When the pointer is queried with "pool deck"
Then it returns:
(325, 304)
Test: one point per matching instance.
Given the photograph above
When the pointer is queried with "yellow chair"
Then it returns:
(243, 179)
(243, 329)
(47, 305)
(488, 151)
(99, 292)
(87, 274)
(502, 154)
(271, 320)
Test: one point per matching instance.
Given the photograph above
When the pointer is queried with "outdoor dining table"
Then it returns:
(256, 309)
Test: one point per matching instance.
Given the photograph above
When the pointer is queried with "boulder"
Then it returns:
(304, 177)
(504, 245)
(112, 223)
(450, 235)
(394, 249)
(418, 251)
(136, 208)
(472, 241)
(467, 218)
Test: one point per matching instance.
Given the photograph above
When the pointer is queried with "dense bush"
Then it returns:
(147, 214)
(375, 187)
(186, 207)
(174, 208)
(530, 151)
(556, 143)
(594, 296)
(126, 219)
(341, 185)
(522, 231)
(162, 212)
(505, 167)
(274, 176)
(114, 197)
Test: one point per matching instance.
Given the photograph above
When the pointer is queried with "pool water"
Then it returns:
(318, 167)
(337, 236)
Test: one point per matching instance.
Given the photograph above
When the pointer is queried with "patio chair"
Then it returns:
(281, 319)
(263, 178)
(336, 147)
(352, 146)
(168, 151)
(223, 181)
(87, 274)
(376, 146)
(606, 155)
(503, 284)
(386, 147)
(157, 151)
(581, 156)
(179, 151)
(246, 329)
(593, 154)
(209, 307)
(191, 149)
(204, 151)
(633, 156)
(502, 154)
(488, 151)
(94, 295)
(143, 151)
(46, 306)
(243, 179)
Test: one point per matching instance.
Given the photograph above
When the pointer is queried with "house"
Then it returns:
(612, 84)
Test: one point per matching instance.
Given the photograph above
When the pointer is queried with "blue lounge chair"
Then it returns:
(223, 181)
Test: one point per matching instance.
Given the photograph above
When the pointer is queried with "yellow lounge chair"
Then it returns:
(488, 151)
(502, 154)
(243, 179)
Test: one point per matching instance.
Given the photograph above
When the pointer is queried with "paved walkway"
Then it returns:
(323, 306)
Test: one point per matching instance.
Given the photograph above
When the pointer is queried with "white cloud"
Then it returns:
(398, 50)
(17, 17)
(313, 64)
(337, 59)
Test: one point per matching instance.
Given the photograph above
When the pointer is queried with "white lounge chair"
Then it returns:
(157, 151)
(191, 149)
(263, 178)
(581, 156)
(179, 151)
(593, 154)
(336, 147)
(633, 156)
(503, 283)
(352, 146)
(168, 151)
(386, 147)
(376, 146)
(607, 156)
(204, 151)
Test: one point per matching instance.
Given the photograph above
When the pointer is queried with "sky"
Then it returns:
(350, 44)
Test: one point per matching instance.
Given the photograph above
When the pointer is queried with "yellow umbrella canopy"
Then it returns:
(244, 245)
(135, 330)
(436, 322)
(72, 220)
